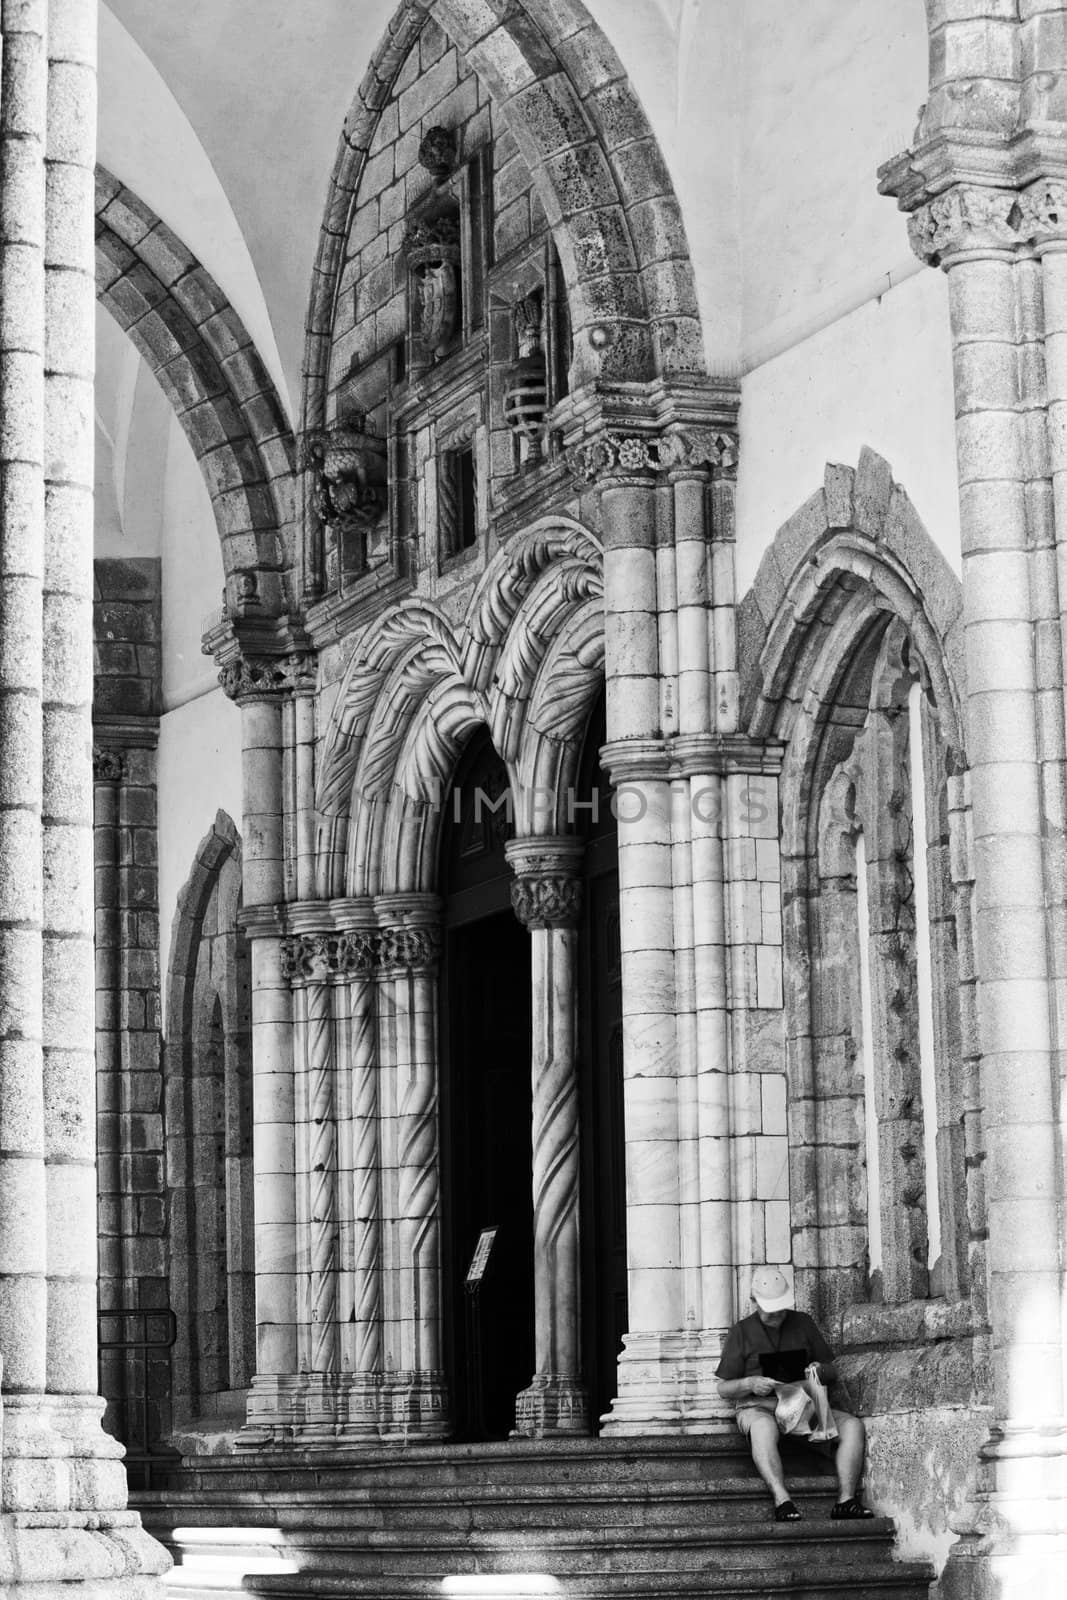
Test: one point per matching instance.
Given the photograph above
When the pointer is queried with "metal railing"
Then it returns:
(136, 1332)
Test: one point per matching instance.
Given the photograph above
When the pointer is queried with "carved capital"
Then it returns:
(613, 453)
(325, 957)
(965, 218)
(263, 677)
(109, 764)
(408, 949)
(970, 218)
(1042, 212)
(547, 892)
(547, 902)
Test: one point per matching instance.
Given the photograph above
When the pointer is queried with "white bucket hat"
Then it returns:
(771, 1290)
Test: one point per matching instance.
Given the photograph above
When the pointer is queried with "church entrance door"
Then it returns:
(486, 1106)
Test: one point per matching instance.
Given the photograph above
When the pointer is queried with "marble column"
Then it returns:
(547, 899)
(359, 1187)
(415, 1395)
(64, 1494)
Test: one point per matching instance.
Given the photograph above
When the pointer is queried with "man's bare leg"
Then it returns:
(852, 1443)
(763, 1438)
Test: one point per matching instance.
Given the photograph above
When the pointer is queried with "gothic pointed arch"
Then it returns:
(417, 686)
(225, 401)
(850, 641)
(598, 170)
(208, 1134)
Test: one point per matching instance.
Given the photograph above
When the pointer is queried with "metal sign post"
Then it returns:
(473, 1284)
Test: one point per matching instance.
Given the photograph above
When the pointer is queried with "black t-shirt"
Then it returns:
(750, 1339)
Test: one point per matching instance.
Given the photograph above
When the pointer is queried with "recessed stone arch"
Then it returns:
(414, 674)
(852, 602)
(194, 342)
(208, 1134)
(596, 166)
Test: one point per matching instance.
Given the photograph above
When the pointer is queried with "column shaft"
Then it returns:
(1011, 951)
(547, 897)
(23, 89)
(69, 976)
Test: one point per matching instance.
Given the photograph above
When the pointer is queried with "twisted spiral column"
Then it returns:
(408, 953)
(361, 1328)
(547, 898)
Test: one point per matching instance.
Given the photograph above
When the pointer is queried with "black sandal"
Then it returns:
(786, 1512)
(851, 1511)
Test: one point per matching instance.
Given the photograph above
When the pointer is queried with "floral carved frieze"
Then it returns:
(613, 453)
(358, 952)
(259, 677)
(969, 218)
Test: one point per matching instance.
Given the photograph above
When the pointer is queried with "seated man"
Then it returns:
(790, 1338)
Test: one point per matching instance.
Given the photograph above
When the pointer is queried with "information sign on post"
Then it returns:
(480, 1258)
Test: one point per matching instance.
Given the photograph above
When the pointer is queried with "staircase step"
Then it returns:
(575, 1520)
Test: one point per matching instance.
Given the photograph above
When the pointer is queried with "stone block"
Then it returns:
(424, 93)
(837, 490)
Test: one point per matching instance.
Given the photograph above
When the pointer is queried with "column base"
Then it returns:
(415, 1405)
(667, 1384)
(65, 1519)
(275, 1412)
(552, 1407)
(1014, 1544)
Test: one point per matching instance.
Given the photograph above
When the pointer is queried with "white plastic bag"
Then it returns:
(794, 1410)
(825, 1427)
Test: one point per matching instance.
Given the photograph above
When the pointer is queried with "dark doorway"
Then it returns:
(486, 1104)
(603, 1142)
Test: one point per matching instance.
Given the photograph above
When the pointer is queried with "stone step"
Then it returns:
(514, 1462)
(612, 1520)
(570, 1552)
(889, 1583)
(216, 1508)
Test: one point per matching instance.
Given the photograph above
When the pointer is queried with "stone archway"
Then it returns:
(207, 1137)
(223, 397)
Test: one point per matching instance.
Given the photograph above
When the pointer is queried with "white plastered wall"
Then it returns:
(200, 730)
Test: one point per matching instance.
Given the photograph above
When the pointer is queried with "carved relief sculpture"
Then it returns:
(351, 493)
(526, 381)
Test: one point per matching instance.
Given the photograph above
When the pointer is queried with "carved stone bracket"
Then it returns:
(262, 677)
(612, 453)
(547, 892)
(357, 952)
(970, 217)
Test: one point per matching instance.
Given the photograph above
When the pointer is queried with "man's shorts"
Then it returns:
(745, 1414)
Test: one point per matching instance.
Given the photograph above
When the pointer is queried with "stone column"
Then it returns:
(308, 961)
(1013, 612)
(58, 1463)
(359, 1187)
(547, 899)
(276, 1396)
(669, 662)
(415, 1397)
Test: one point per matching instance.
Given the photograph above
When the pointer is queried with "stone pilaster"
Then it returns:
(664, 474)
(58, 1465)
(547, 899)
(981, 210)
